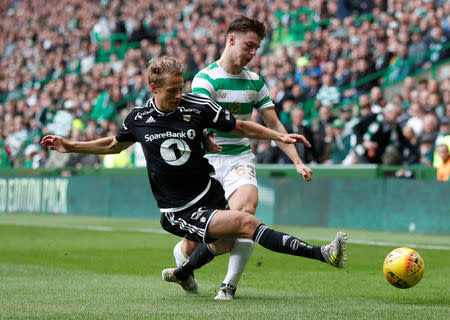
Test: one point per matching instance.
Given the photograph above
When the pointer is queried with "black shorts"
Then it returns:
(192, 223)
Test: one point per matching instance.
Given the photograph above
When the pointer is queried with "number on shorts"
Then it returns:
(240, 171)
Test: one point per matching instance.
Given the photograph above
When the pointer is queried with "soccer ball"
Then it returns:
(403, 268)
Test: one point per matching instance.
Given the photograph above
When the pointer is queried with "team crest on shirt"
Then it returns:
(250, 95)
(222, 95)
(187, 117)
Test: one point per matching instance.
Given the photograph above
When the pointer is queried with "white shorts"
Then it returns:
(234, 171)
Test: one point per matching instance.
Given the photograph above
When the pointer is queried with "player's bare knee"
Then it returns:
(249, 209)
(222, 246)
(248, 224)
(246, 207)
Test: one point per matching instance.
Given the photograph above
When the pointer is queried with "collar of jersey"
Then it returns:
(151, 104)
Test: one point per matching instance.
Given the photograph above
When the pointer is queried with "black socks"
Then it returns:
(285, 243)
(266, 237)
(199, 257)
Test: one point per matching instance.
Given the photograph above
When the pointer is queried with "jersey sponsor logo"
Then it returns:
(139, 115)
(184, 109)
(167, 134)
(175, 151)
(150, 120)
(191, 134)
(234, 108)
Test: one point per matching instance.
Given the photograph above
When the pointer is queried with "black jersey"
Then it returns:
(172, 143)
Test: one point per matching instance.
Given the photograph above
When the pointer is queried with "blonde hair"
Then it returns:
(159, 68)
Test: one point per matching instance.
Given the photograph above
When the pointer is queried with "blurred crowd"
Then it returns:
(65, 71)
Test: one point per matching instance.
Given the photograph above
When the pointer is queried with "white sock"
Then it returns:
(239, 256)
(178, 254)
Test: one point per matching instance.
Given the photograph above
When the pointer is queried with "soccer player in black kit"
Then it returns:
(192, 204)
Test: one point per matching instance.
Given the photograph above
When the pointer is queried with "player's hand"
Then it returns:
(209, 143)
(55, 143)
(295, 138)
(305, 171)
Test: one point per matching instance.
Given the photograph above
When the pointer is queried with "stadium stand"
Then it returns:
(75, 68)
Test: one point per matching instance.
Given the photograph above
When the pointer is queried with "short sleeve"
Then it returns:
(125, 133)
(202, 85)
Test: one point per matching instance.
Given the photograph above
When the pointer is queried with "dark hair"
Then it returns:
(243, 24)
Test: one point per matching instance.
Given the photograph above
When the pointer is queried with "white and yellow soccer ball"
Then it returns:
(403, 268)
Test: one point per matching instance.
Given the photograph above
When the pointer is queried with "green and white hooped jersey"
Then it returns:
(239, 94)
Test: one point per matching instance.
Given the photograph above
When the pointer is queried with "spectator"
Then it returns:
(443, 137)
(349, 120)
(4, 162)
(382, 58)
(62, 121)
(443, 171)
(297, 125)
(343, 74)
(430, 125)
(383, 140)
(119, 160)
(417, 50)
(265, 152)
(363, 70)
(341, 142)
(400, 67)
(32, 156)
(15, 142)
(426, 149)
(436, 47)
(325, 120)
(328, 94)
(377, 100)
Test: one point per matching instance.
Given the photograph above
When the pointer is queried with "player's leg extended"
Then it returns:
(244, 198)
(239, 224)
(229, 224)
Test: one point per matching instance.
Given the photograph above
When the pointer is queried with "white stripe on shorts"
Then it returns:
(184, 225)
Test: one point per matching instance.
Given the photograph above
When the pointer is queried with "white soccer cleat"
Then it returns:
(334, 252)
(226, 292)
(189, 286)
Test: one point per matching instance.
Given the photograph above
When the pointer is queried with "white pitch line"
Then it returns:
(389, 244)
(161, 231)
(83, 227)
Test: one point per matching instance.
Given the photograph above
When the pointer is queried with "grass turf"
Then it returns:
(65, 268)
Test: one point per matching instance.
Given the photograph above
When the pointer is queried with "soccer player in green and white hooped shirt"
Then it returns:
(238, 90)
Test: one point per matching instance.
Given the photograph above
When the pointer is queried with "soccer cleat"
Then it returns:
(189, 285)
(334, 252)
(226, 292)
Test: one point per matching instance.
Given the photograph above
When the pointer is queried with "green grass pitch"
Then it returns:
(56, 267)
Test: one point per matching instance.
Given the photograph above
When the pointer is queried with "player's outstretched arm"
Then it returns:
(271, 120)
(253, 130)
(99, 146)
